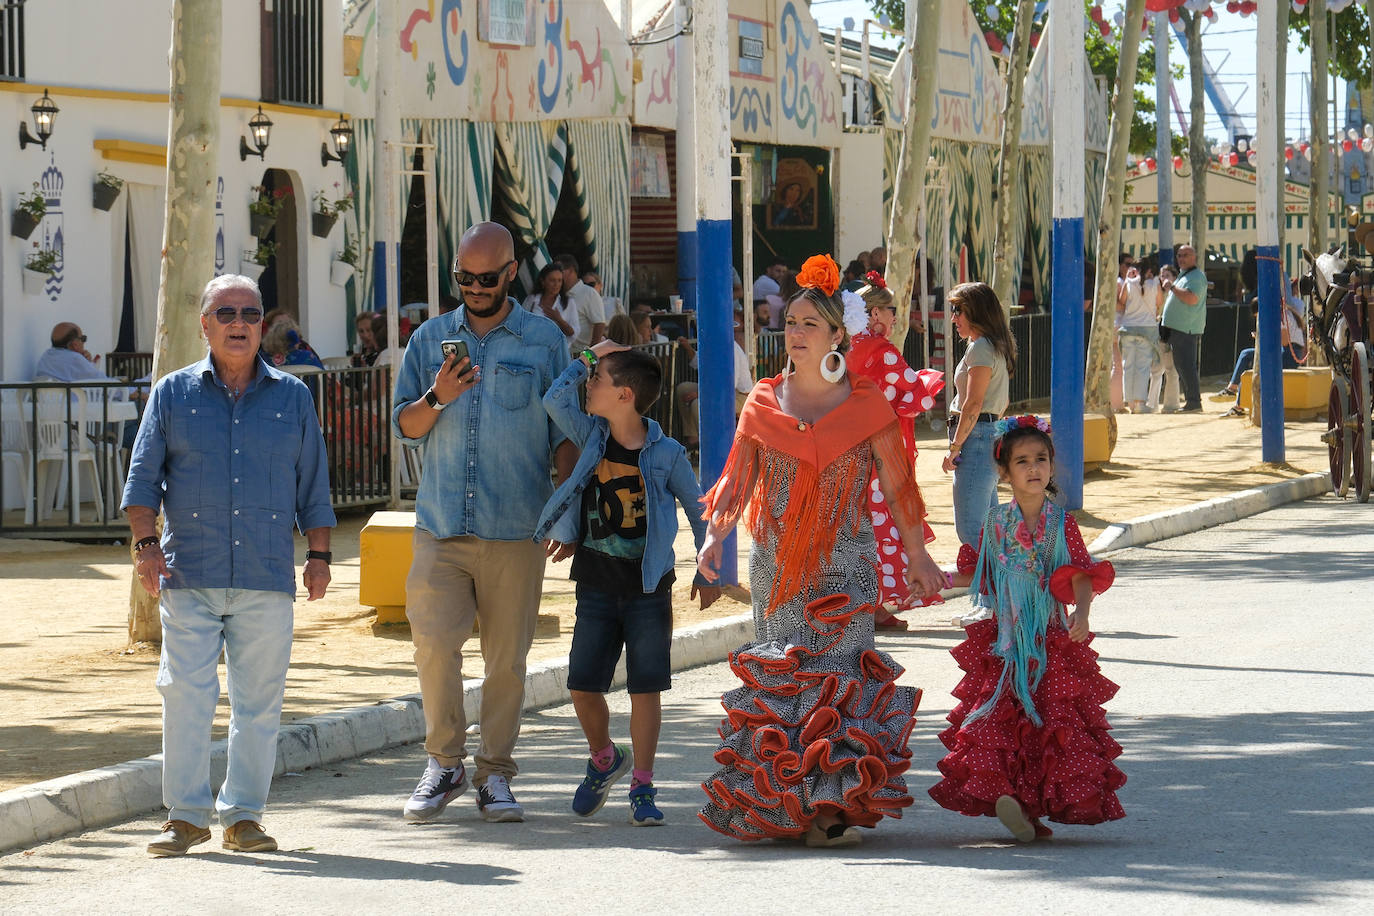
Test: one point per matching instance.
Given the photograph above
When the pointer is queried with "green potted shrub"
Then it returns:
(263, 210)
(106, 190)
(39, 266)
(255, 261)
(29, 213)
(327, 212)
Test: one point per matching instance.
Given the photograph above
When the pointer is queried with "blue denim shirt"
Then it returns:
(232, 476)
(487, 461)
(662, 463)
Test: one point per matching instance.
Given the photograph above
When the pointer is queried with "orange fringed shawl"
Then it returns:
(827, 468)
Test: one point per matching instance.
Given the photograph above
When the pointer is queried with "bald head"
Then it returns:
(486, 243)
(63, 333)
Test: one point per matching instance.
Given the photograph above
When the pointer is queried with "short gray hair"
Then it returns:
(228, 281)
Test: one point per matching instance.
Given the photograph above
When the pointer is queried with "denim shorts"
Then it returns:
(643, 624)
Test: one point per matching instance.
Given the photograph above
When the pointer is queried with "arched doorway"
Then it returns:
(280, 281)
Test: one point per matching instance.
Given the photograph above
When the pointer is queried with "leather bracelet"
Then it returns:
(143, 543)
(325, 555)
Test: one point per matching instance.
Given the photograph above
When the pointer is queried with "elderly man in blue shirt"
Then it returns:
(230, 449)
(488, 445)
(67, 359)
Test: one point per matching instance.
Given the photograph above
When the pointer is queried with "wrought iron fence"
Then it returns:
(129, 366)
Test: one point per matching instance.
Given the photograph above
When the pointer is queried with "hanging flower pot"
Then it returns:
(22, 224)
(322, 223)
(33, 281)
(104, 196)
(340, 272)
(261, 223)
(251, 269)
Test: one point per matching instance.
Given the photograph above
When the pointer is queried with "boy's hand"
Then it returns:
(1078, 624)
(558, 551)
(708, 559)
(706, 594)
(607, 346)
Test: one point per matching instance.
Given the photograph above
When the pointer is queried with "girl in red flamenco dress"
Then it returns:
(911, 393)
(1029, 739)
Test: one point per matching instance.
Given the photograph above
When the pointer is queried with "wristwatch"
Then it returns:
(432, 400)
(325, 555)
(590, 357)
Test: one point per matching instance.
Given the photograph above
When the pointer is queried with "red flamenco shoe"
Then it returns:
(1042, 832)
(884, 620)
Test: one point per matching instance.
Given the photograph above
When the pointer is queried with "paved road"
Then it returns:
(1246, 712)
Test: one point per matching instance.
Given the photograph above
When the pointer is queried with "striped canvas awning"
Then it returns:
(523, 157)
(463, 159)
(359, 170)
(600, 163)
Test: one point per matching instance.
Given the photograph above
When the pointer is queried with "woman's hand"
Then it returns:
(708, 558)
(923, 577)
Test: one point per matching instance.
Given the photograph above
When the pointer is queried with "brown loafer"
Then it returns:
(248, 836)
(176, 838)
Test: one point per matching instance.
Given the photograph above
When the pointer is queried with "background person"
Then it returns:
(1163, 376)
(67, 360)
(1137, 335)
(591, 310)
(982, 386)
(552, 302)
(224, 567)
(283, 346)
(1185, 315)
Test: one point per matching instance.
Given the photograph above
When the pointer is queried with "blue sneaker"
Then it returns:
(591, 795)
(643, 811)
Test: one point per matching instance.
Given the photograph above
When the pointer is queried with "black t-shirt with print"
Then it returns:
(614, 525)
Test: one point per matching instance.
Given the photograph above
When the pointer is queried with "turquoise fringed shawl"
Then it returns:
(1018, 592)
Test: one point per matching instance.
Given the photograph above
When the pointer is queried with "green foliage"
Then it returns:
(264, 253)
(349, 255)
(108, 179)
(1348, 50)
(44, 260)
(33, 203)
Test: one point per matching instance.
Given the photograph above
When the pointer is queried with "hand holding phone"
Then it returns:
(457, 374)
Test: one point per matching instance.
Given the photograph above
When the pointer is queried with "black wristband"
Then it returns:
(325, 555)
(142, 543)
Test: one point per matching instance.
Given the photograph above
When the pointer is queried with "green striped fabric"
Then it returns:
(600, 168)
(522, 158)
(463, 159)
(359, 169)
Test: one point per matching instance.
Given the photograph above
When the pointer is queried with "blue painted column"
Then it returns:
(1268, 143)
(715, 316)
(1065, 32)
(685, 140)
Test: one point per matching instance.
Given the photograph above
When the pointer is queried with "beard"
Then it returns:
(498, 302)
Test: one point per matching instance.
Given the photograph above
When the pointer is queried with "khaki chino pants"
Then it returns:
(453, 581)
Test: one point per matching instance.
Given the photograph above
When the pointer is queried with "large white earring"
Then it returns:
(788, 368)
(833, 374)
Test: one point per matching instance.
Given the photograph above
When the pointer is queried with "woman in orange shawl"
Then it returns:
(814, 743)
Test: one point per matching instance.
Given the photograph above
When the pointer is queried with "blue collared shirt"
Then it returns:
(232, 476)
(69, 366)
(487, 460)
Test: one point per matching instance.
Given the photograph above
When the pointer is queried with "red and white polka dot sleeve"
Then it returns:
(1101, 572)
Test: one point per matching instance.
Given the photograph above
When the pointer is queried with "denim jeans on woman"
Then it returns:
(1137, 356)
(975, 483)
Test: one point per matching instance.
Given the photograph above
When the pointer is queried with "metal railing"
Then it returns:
(354, 407)
(128, 366)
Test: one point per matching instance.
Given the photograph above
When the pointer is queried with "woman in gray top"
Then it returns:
(981, 393)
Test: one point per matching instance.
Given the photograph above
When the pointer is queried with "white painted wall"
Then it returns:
(858, 167)
(123, 48)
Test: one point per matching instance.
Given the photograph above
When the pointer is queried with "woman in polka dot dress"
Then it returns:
(1029, 739)
(911, 394)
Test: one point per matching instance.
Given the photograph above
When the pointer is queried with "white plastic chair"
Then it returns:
(337, 362)
(14, 446)
(66, 450)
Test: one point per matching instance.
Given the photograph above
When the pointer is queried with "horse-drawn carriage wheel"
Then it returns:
(1338, 438)
(1359, 405)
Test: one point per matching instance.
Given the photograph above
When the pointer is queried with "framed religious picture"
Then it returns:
(793, 202)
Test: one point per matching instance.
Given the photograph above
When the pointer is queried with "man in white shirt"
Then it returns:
(687, 392)
(591, 310)
(768, 282)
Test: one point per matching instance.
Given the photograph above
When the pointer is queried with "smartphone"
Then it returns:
(455, 348)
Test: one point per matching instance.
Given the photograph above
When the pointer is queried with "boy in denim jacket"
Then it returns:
(615, 516)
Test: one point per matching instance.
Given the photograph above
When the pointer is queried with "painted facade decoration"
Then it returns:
(51, 231)
(565, 59)
(1035, 119)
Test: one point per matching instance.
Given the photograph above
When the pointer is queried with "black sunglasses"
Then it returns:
(226, 315)
(489, 280)
(955, 311)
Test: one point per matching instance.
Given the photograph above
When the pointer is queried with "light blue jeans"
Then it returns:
(975, 484)
(254, 629)
(1137, 356)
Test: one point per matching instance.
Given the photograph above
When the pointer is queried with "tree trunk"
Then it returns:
(909, 192)
(1097, 387)
(1318, 189)
(188, 235)
(1009, 169)
(1199, 158)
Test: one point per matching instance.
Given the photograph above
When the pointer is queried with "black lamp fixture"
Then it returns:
(44, 114)
(343, 139)
(260, 126)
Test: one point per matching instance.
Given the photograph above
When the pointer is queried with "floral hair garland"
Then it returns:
(875, 279)
(1002, 427)
(820, 272)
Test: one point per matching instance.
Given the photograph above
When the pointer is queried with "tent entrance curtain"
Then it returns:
(143, 223)
(524, 160)
(361, 226)
(463, 163)
(599, 165)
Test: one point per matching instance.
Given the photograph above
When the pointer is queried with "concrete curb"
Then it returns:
(1209, 513)
(95, 798)
(83, 801)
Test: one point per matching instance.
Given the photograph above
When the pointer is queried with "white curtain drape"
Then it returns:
(146, 203)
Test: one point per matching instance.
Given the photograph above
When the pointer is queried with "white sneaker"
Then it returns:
(496, 803)
(439, 786)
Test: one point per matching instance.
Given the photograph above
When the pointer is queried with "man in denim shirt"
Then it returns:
(230, 449)
(487, 448)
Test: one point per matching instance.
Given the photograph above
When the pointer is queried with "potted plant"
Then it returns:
(255, 260)
(327, 212)
(345, 263)
(106, 190)
(263, 210)
(39, 266)
(29, 213)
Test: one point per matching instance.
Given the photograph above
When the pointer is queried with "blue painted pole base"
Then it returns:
(1269, 358)
(1066, 358)
(716, 365)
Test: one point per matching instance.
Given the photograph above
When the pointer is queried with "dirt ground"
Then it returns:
(72, 696)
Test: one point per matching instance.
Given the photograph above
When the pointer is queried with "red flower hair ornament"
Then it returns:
(820, 272)
(875, 279)
(1007, 424)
